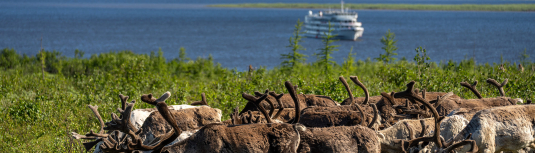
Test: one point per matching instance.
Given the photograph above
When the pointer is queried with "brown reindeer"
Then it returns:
(188, 120)
(390, 108)
(280, 115)
(123, 136)
(441, 146)
(304, 101)
(154, 124)
(468, 107)
(270, 137)
(337, 139)
(347, 115)
(379, 100)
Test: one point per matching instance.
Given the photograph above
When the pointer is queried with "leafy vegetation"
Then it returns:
(324, 58)
(441, 7)
(39, 113)
(389, 45)
(294, 58)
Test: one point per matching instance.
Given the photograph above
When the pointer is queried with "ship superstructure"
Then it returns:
(344, 24)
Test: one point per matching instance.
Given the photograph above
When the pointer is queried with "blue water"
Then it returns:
(239, 37)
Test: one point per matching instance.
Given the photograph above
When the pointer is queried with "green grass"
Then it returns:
(442, 7)
(39, 114)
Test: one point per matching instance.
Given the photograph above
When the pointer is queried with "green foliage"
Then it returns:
(524, 57)
(182, 55)
(349, 62)
(78, 54)
(9, 58)
(421, 59)
(389, 45)
(294, 58)
(39, 114)
(324, 55)
(25, 111)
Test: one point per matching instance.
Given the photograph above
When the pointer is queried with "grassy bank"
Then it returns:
(39, 111)
(442, 7)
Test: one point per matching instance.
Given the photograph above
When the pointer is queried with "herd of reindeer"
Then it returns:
(408, 121)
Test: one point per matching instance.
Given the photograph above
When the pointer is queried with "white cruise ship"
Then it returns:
(343, 22)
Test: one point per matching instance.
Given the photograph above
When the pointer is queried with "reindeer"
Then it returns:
(270, 137)
(379, 100)
(344, 115)
(304, 102)
(506, 128)
(440, 145)
(336, 138)
(189, 120)
(140, 115)
(389, 107)
(468, 107)
(154, 125)
(281, 115)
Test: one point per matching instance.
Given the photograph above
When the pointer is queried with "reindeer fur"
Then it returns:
(507, 128)
(340, 139)
(276, 137)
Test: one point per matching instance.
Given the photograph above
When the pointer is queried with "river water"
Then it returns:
(237, 37)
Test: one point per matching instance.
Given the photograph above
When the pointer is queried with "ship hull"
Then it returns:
(339, 34)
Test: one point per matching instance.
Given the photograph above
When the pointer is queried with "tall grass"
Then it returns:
(443, 7)
(39, 114)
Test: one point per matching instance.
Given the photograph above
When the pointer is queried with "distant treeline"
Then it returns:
(442, 7)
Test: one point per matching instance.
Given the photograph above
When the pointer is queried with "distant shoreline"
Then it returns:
(429, 7)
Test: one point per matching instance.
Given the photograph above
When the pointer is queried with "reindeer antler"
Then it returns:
(423, 93)
(257, 102)
(202, 102)
(422, 123)
(250, 118)
(344, 82)
(466, 141)
(389, 98)
(497, 85)
(375, 115)
(355, 80)
(409, 94)
(272, 109)
(441, 99)
(91, 134)
(278, 97)
(116, 143)
(292, 92)
(235, 116)
(163, 109)
(472, 88)
(124, 100)
(258, 94)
